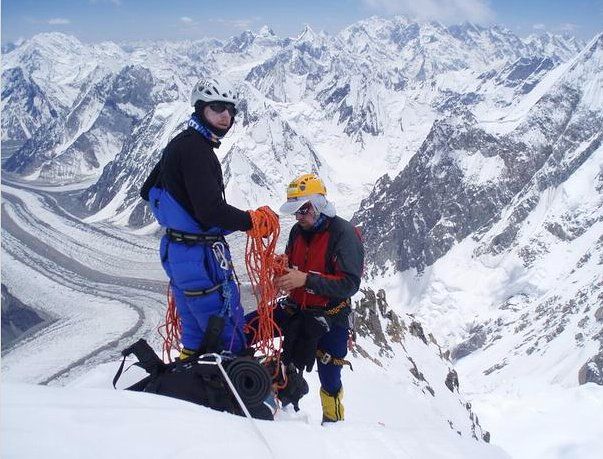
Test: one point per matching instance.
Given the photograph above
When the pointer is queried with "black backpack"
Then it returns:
(200, 380)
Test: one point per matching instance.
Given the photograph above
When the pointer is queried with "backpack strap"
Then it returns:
(147, 359)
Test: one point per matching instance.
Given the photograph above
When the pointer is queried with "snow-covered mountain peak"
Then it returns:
(563, 46)
(266, 31)
(307, 35)
(54, 40)
(240, 43)
(585, 74)
(253, 44)
(595, 45)
(53, 47)
(471, 27)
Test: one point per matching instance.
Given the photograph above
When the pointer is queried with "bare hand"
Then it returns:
(293, 279)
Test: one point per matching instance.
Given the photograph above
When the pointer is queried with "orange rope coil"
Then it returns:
(263, 266)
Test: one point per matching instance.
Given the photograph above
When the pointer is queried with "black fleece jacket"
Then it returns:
(190, 171)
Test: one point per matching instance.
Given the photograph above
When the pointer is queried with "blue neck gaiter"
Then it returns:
(198, 126)
(319, 223)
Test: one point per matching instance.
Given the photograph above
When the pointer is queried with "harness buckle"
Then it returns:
(326, 358)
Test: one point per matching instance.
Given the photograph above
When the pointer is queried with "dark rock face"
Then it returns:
(452, 381)
(369, 312)
(25, 106)
(592, 371)
(416, 218)
(476, 341)
(437, 200)
(367, 322)
(526, 72)
(17, 318)
(416, 329)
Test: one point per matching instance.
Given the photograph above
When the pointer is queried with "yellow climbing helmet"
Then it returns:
(306, 185)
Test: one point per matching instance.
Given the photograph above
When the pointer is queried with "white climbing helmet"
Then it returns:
(214, 89)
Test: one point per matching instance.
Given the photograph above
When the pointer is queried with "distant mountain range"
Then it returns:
(466, 154)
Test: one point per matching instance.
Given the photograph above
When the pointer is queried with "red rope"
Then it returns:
(171, 330)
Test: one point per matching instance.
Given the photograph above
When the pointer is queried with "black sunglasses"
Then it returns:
(219, 107)
(303, 211)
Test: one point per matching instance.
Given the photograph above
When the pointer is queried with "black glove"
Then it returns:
(295, 389)
(302, 332)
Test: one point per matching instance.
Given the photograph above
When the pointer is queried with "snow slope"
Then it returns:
(386, 416)
(123, 424)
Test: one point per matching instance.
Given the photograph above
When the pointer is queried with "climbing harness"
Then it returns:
(325, 358)
(190, 238)
(171, 329)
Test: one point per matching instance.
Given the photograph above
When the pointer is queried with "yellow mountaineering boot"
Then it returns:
(332, 406)
(185, 353)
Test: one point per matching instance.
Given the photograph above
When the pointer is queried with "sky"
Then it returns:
(124, 20)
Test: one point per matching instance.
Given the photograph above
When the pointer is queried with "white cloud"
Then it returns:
(51, 21)
(245, 23)
(538, 27)
(186, 20)
(568, 27)
(58, 21)
(441, 10)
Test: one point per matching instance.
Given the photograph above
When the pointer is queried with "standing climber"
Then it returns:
(186, 194)
(326, 260)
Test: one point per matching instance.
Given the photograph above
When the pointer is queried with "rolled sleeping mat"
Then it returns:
(250, 379)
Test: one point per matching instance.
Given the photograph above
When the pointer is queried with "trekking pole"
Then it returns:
(218, 362)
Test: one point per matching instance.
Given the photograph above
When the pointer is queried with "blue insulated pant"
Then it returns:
(193, 269)
(335, 343)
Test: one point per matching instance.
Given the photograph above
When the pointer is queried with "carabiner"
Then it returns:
(220, 253)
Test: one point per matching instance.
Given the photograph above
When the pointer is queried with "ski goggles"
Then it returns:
(219, 107)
